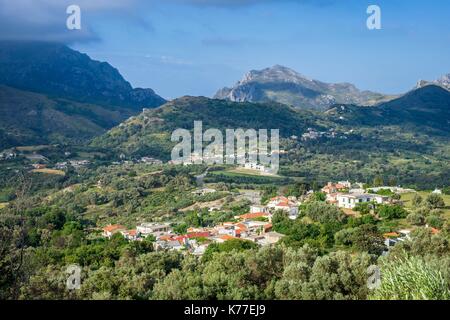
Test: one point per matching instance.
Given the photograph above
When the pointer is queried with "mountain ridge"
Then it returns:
(39, 119)
(424, 110)
(51, 93)
(443, 82)
(284, 85)
(57, 70)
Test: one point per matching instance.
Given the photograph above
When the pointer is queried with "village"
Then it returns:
(256, 225)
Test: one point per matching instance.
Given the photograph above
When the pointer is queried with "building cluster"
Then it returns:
(257, 167)
(253, 226)
(312, 134)
(287, 204)
(347, 195)
(141, 232)
(73, 163)
(196, 240)
(150, 160)
(203, 191)
(7, 155)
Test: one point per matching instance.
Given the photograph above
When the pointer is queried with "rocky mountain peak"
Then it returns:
(277, 73)
(284, 85)
(443, 81)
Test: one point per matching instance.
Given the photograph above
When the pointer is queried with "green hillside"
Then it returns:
(28, 118)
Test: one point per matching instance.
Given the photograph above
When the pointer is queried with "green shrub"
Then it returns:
(416, 219)
(411, 279)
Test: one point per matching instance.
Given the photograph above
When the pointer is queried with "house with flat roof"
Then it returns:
(350, 200)
(154, 229)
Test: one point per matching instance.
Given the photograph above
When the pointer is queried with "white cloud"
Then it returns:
(45, 19)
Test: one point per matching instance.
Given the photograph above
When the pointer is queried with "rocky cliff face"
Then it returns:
(443, 82)
(57, 70)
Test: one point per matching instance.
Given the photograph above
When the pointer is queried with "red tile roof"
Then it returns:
(434, 231)
(241, 226)
(283, 204)
(198, 234)
(226, 237)
(391, 235)
(280, 198)
(131, 232)
(113, 227)
(253, 215)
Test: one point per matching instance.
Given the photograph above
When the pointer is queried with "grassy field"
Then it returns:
(407, 199)
(49, 171)
(240, 172)
(33, 148)
(250, 172)
(3, 204)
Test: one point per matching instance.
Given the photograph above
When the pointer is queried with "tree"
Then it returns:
(435, 201)
(318, 196)
(48, 283)
(344, 236)
(180, 285)
(446, 191)
(363, 208)
(378, 181)
(367, 239)
(323, 212)
(424, 244)
(337, 276)
(392, 212)
(281, 222)
(417, 200)
(228, 246)
(435, 221)
(416, 219)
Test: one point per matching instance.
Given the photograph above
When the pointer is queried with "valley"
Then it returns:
(87, 179)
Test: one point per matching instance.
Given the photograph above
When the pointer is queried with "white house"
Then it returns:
(204, 191)
(155, 229)
(255, 166)
(349, 201)
(131, 235)
(258, 208)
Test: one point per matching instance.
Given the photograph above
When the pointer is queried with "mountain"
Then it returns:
(406, 124)
(50, 93)
(426, 108)
(28, 118)
(56, 70)
(284, 85)
(443, 82)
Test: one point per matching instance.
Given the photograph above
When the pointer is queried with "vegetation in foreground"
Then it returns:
(52, 222)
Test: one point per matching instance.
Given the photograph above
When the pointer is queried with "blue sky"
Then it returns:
(194, 47)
